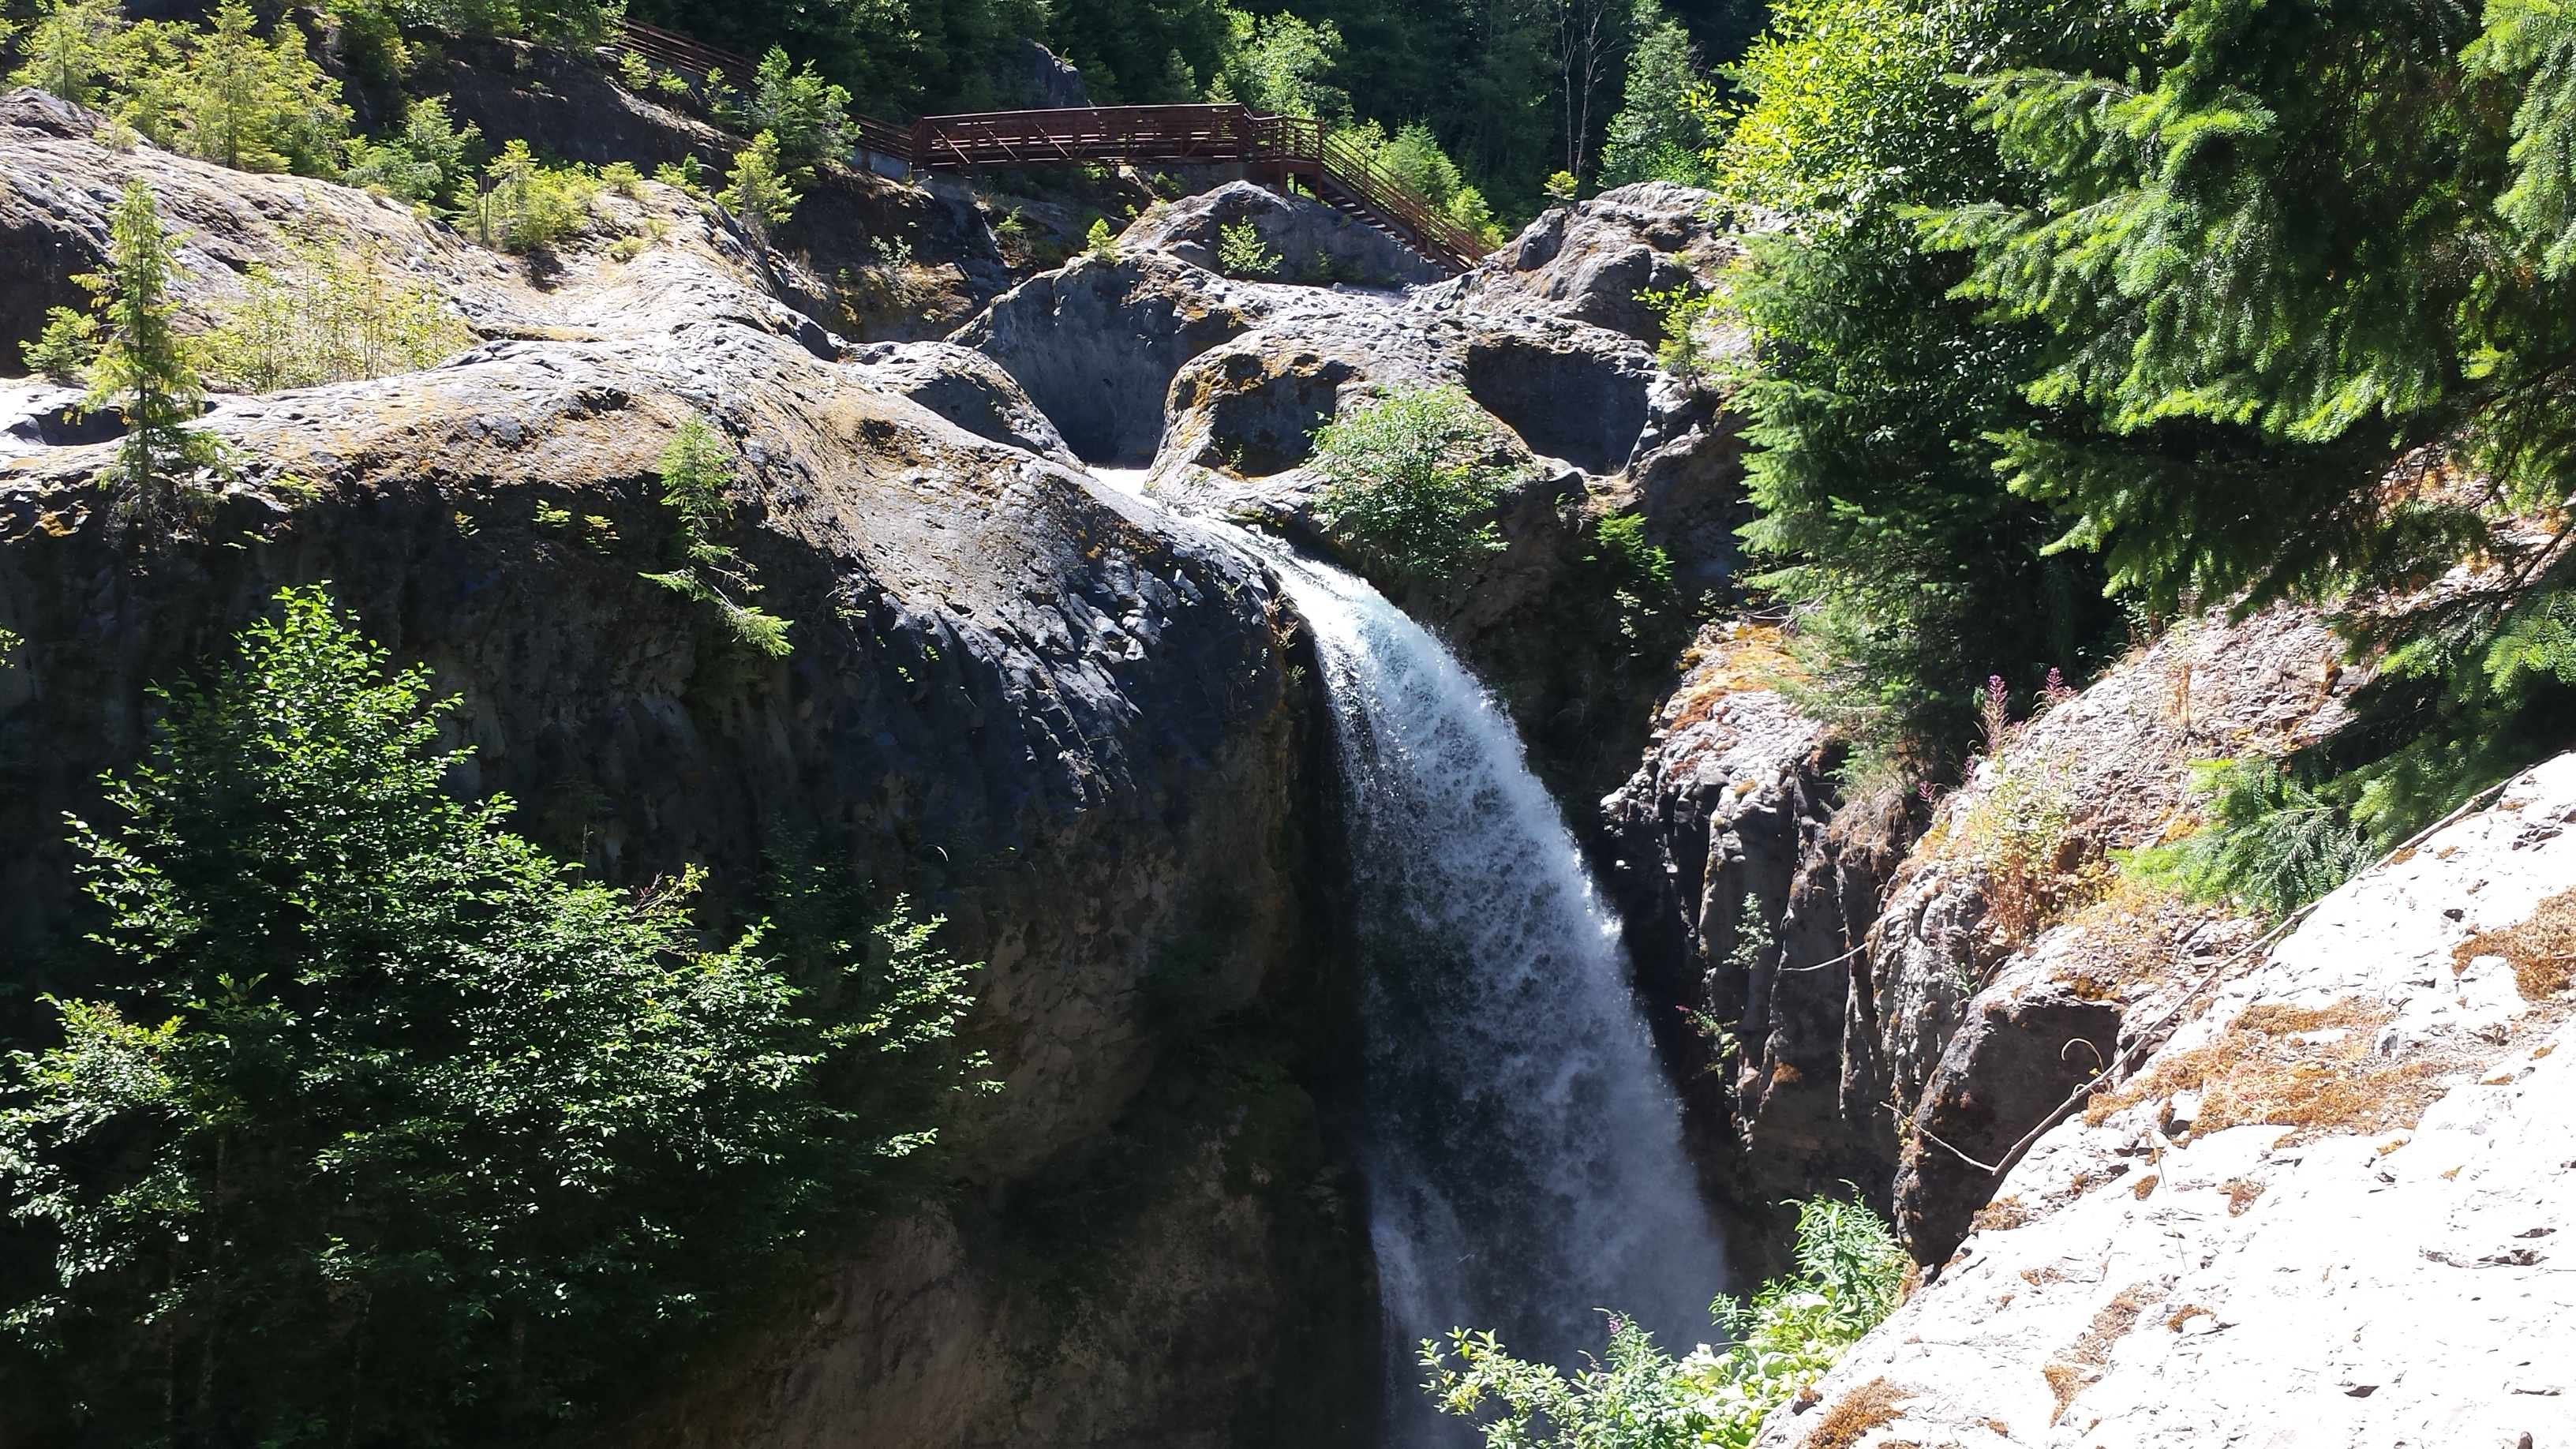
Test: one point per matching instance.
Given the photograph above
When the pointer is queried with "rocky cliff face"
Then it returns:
(1216, 386)
(1746, 888)
(1057, 719)
(2327, 1205)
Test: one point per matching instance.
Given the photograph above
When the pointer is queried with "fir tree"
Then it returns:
(144, 369)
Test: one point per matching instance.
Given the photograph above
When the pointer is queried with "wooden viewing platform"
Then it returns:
(1271, 149)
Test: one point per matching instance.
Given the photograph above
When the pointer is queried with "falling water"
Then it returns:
(1522, 1150)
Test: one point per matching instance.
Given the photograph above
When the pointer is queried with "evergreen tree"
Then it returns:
(385, 1129)
(1659, 133)
(144, 369)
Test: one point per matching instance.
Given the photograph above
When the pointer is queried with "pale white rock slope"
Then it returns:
(2351, 1282)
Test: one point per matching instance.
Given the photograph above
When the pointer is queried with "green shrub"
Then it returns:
(757, 189)
(216, 92)
(1100, 243)
(430, 159)
(383, 1127)
(1241, 252)
(334, 314)
(67, 346)
(1850, 1273)
(695, 469)
(2268, 843)
(809, 116)
(529, 205)
(1409, 479)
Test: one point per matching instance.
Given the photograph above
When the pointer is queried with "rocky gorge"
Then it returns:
(1094, 733)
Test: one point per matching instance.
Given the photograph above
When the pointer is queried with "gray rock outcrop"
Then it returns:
(1313, 242)
(1591, 261)
(2330, 1206)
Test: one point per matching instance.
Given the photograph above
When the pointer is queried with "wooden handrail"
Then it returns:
(1208, 134)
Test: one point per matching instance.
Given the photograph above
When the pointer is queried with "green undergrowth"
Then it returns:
(1411, 484)
(695, 469)
(1638, 1396)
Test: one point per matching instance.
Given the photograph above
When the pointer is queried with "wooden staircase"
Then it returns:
(1271, 149)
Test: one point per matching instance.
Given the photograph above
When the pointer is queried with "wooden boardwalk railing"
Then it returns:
(1270, 148)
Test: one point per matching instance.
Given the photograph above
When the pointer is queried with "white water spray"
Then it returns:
(1522, 1149)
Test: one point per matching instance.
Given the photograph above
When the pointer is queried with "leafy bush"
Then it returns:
(430, 160)
(1850, 1273)
(1276, 64)
(334, 314)
(65, 348)
(530, 205)
(1241, 252)
(1100, 243)
(2267, 843)
(695, 469)
(1409, 478)
(383, 1127)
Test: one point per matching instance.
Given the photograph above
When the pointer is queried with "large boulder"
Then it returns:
(1592, 262)
(1314, 243)
(2323, 1202)
(968, 389)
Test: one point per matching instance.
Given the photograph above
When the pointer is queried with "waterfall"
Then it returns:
(1522, 1150)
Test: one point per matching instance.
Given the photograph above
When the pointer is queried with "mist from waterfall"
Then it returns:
(1521, 1146)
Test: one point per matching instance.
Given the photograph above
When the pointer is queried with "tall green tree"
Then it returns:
(1875, 394)
(383, 1127)
(1660, 132)
(144, 369)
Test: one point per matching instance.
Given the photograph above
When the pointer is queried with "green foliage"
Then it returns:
(527, 204)
(808, 116)
(1658, 134)
(257, 105)
(1875, 395)
(757, 190)
(1410, 481)
(219, 92)
(74, 50)
(1850, 1272)
(1276, 64)
(570, 23)
(386, 1128)
(65, 348)
(2267, 843)
(1634, 580)
(1414, 157)
(429, 160)
(143, 368)
(1241, 252)
(695, 469)
(1100, 243)
(334, 314)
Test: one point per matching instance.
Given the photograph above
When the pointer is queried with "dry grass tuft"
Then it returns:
(2542, 949)
(2241, 1192)
(1871, 1406)
(2074, 1367)
(2146, 1186)
(2001, 1215)
(2310, 1070)
(2185, 1314)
